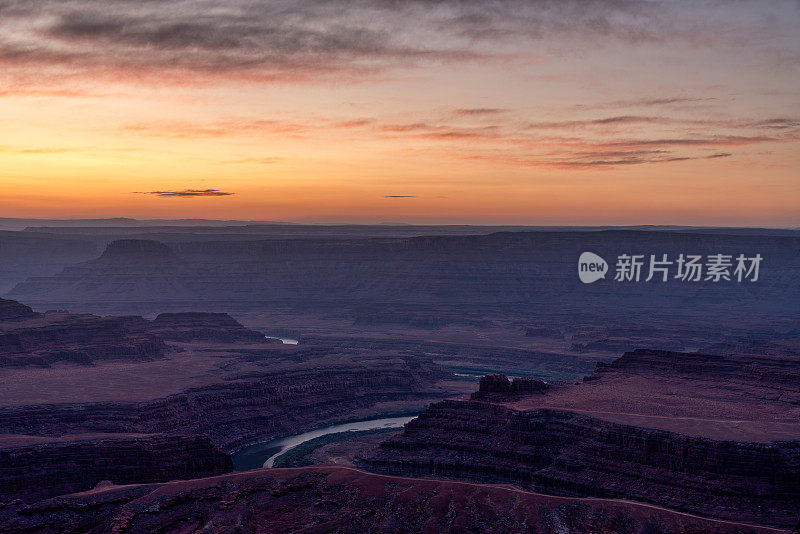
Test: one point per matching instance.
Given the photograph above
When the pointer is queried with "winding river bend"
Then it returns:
(263, 454)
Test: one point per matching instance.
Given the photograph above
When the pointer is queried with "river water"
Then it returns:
(284, 340)
(263, 454)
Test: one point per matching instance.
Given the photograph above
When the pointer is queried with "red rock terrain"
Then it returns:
(712, 435)
(340, 499)
(127, 415)
(703, 434)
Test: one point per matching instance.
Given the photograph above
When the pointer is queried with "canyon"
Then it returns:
(205, 387)
(606, 407)
(706, 434)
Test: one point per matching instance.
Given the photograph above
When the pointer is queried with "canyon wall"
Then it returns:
(688, 431)
(66, 465)
(242, 411)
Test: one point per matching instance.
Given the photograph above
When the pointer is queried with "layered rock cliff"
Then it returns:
(564, 453)
(228, 387)
(707, 434)
(244, 410)
(36, 467)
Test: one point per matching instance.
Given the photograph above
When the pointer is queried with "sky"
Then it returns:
(435, 111)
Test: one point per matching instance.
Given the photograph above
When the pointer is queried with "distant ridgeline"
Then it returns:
(515, 271)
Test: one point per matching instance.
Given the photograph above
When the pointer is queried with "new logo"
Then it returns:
(591, 267)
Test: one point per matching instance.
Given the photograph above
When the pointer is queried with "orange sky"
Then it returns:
(582, 113)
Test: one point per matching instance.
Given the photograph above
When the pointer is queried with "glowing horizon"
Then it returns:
(513, 112)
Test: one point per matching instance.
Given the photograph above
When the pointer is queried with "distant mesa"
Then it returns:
(137, 250)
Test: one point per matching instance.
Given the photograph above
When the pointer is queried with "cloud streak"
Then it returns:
(187, 193)
(612, 141)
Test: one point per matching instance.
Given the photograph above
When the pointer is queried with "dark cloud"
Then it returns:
(188, 193)
(59, 42)
(400, 196)
(439, 131)
(290, 40)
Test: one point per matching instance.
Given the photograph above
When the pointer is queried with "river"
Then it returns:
(263, 454)
(284, 340)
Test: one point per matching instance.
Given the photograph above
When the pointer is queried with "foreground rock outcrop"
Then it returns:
(563, 453)
(340, 499)
(602, 438)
